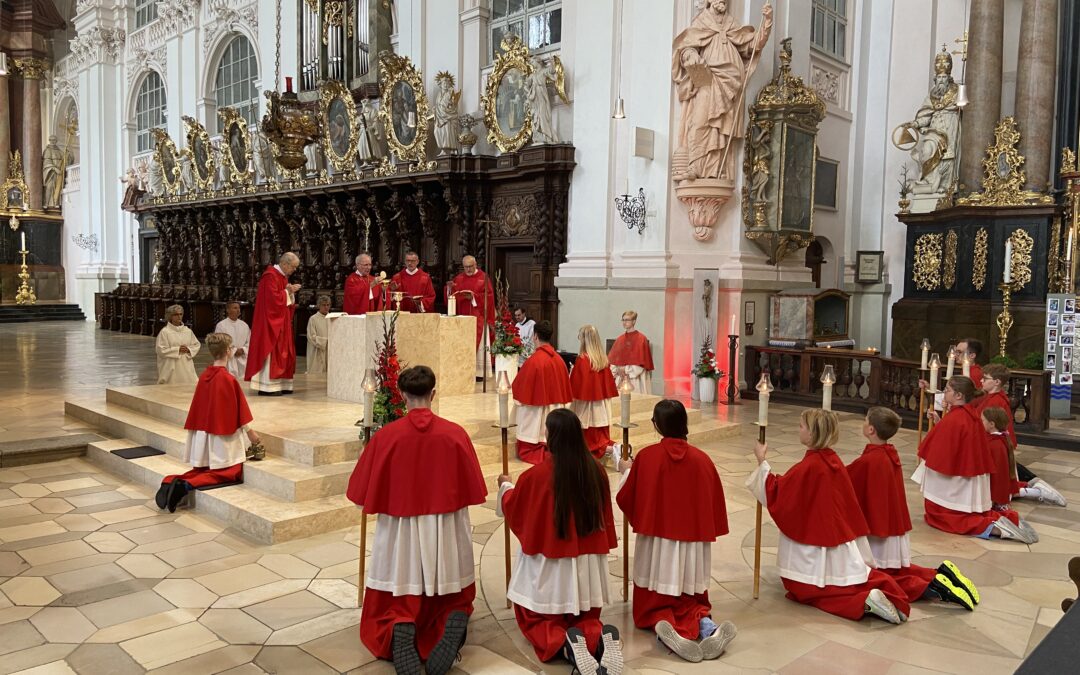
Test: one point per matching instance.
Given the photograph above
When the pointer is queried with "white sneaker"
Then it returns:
(1047, 493)
(615, 451)
(1008, 530)
(880, 606)
(687, 650)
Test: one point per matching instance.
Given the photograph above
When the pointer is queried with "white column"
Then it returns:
(268, 37)
(474, 51)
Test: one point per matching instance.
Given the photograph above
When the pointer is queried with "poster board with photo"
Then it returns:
(1060, 335)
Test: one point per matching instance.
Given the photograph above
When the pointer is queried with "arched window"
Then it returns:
(235, 84)
(149, 111)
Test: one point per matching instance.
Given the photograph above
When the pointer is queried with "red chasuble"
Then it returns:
(543, 379)
(271, 329)
(878, 479)
(814, 503)
(530, 509)
(219, 406)
(587, 384)
(631, 349)
(478, 285)
(674, 492)
(418, 465)
(414, 285)
(957, 445)
(360, 296)
(997, 400)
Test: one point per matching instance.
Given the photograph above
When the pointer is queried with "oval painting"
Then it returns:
(403, 112)
(510, 102)
(339, 126)
(238, 147)
(199, 150)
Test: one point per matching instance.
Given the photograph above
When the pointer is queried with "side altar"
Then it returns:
(446, 344)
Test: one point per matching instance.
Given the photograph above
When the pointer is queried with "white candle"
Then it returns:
(1008, 262)
(23, 234)
(731, 330)
(504, 409)
(763, 409)
(933, 378)
(1069, 248)
(966, 366)
(826, 396)
(451, 306)
(952, 362)
(925, 354)
(368, 408)
(624, 409)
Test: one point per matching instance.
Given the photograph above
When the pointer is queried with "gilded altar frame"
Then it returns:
(14, 185)
(1003, 174)
(168, 159)
(398, 76)
(200, 153)
(338, 111)
(236, 162)
(514, 57)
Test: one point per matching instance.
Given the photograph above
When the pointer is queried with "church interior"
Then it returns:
(292, 294)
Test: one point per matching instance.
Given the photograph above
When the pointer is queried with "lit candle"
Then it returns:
(625, 388)
(1069, 248)
(23, 235)
(731, 329)
(1008, 260)
(828, 377)
(502, 386)
(952, 362)
(369, 385)
(935, 364)
(451, 305)
(966, 365)
(763, 388)
(925, 354)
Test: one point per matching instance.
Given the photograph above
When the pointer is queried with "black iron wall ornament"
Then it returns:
(632, 210)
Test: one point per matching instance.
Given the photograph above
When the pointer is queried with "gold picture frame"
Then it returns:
(404, 109)
(235, 147)
(168, 159)
(338, 111)
(200, 153)
(504, 97)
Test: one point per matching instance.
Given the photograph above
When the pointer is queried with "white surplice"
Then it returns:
(174, 367)
(966, 494)
(422, 555)
(240, 333)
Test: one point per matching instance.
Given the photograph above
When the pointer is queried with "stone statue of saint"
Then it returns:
(447, 124)
(935, 132)
(265, 166)
(156, 180)
(54, 161)
(538, 98)
(710, 63)
(369, 147)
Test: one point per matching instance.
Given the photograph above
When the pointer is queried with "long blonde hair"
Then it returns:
(591, 347)
(824, 427)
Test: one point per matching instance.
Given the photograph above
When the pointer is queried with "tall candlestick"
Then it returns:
(925, 354)
(1008, 260)
(731, 329)
(952, 362)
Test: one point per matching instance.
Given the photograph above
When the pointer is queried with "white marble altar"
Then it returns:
(446, 344)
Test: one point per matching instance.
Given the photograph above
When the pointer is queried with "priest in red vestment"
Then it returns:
(218, 436)
(560, 512)
(272, 352)
(822, 553)
(541, 385)
(631, 353)
(363, 293)
(672, 497)
(475, 296)
(593, 387)
(954, 471)
(415, 283)
(419, 475)
(878, 479)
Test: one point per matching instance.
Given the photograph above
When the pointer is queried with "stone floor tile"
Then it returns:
(32, 531)
(18, 636)
(144, 566)
(30, 591)
(34, 657)
(95, 498)
(74, 484)
(259, 594)
(836, 659)
(291, 660)
(185, 593)
(30, 490)
(54, 668)
(103, 659)
(288, 566)
(52, 505)
(149, 535)
(11, 564)
(92, 577)
(317, 627)
(113, 611)
(226, 660)
(144, 625)
(329, 554)
(341, 650)
(246, 669)
(109, 542)
(78, 522)
(63, 624)
(43, 555)
(239, 579)
(290, 609)
(194, 555)
(172, 645)
(338, 591)
(235, 627)
(129, 513)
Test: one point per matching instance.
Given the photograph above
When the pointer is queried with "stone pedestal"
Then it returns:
(446, 344)
(983, 79)
(1036, 79)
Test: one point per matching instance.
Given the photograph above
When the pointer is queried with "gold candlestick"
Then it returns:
(25, 296)
(1004, 320)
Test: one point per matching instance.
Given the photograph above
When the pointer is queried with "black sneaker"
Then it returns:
(162, 496)
(950, 592)
(577, 653)
(949, 569)
(403, 649)
(178, 489)
(445, 653)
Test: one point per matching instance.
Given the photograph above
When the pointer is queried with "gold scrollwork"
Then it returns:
(168, 159)
(978, 268)
(334, 17)
(341, 135)
(948, 272)
(200, 153)
(926, 271)
(1022, 245)
(399, 80)
(1003, 175)
(514, 57)
(236, 147)
(14, 185)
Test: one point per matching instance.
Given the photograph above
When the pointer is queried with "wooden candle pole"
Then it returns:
(922, 406)
(362, 581)
(626, 525)
(506, 526)
(757, 532)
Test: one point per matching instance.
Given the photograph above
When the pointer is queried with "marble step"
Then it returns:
(261, 517)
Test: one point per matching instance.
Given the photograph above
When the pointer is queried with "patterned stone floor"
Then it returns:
(94, 579)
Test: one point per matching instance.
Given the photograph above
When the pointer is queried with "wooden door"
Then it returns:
(531, 286)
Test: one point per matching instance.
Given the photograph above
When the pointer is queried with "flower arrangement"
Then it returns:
(507, 338)
(706, 363)
(388, 404)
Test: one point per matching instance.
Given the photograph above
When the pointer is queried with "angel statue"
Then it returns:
(156, 179)
(539, 100)
(263, 157)
(447, 119)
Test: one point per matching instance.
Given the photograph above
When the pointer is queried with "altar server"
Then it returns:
(273, 350)
(237, 329)
(823, 553)
(218, 435)
(363, 292)
(631, 353)
(878, 479)
(415, 284)
(176, 348)
(560, 511)
(318, 336)
(419, 475)
(476, 297)
(954, 471)
(673, 498)
(525, 327)
(1003, 483)
(541, 385)
(593, 387)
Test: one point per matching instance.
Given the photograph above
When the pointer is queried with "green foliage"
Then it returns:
(1007, 361)
(1033, 361)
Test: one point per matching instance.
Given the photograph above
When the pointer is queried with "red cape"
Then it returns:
(218, 406)
(587, 384)
(997, 400)
(530, 509)
(1001, 479)
(357, 292)
(673, 491)
(878, 479)
(631, 349)
(418, 465)
(477, 284)
(412, 285)
(543, 379)
(814, 503)
(957, 445)
(271, 329)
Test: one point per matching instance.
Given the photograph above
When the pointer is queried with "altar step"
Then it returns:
(42, 312)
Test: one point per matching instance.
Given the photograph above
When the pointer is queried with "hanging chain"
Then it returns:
(277, 45)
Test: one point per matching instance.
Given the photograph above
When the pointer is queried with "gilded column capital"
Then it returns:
(30, 67)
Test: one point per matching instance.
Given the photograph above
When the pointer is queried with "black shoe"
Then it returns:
(577, 653)
(950, 592)
(286, 392)
(269, 393)
(403, 649)
(445, 653)
(949, 569)
(162, 496)
(178, 489)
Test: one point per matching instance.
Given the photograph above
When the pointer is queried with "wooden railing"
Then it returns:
(866, 379)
